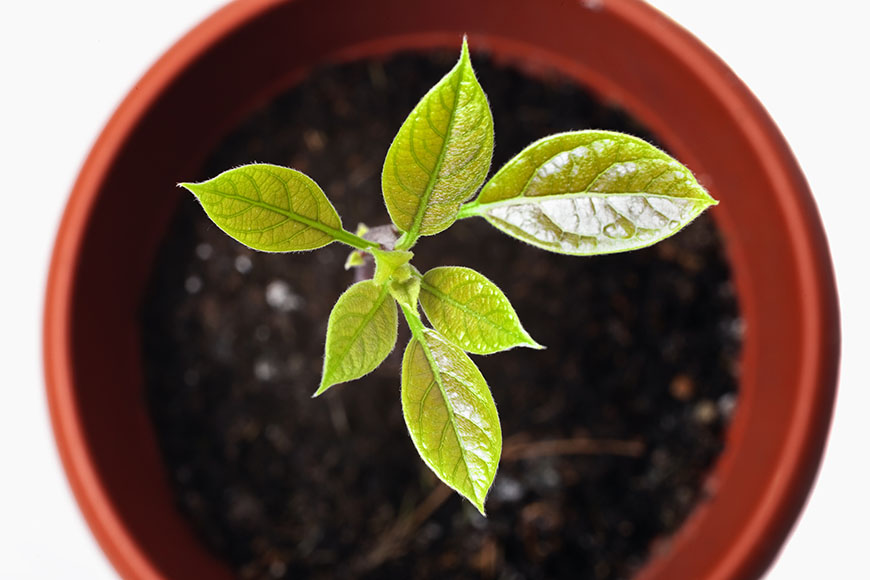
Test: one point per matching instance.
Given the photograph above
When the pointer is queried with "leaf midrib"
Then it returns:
(451, 414)
(420, 335)
(414, 232)
(338, 234)
(368, 317)
(452, 301)
(478, 208)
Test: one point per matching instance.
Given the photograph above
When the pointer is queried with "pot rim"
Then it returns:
(107, 525)
(762, 534)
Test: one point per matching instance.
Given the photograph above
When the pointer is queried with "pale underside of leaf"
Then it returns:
(471, 312)
(360, 334)
(591, 192)
(441, 154)
(451, 415)
(269, 208)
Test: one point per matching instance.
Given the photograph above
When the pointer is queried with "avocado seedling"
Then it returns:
(579, 193)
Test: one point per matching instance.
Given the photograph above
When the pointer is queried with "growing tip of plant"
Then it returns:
(354, 260)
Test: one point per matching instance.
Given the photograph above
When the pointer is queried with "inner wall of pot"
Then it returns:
(218, 73)
(637, 385)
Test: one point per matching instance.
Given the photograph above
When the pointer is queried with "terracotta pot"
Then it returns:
(624, 50)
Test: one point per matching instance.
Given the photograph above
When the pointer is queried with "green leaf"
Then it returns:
(441, 154)
(471, 312)
(360, 334)
(450, 415)
(591, 192)
(272, 208)
(354, 260)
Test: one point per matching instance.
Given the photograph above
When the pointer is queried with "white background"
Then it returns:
(65, 65)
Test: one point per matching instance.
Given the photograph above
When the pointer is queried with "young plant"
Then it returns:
(579, 193)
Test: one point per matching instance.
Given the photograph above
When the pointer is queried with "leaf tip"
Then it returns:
(705, 197)
(533, 344)
(465, 54)
(193, 188)
(324, 385)
(706, 203)
(472, 497)
(530, 342)
(479, 500)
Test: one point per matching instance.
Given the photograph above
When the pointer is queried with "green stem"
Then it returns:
(468, 210)
(406, 242)
(353, 240)
(414, 322)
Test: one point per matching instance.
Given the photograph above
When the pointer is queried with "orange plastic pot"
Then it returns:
(623, 50)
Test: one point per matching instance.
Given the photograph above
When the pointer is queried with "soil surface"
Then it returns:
(609, 432)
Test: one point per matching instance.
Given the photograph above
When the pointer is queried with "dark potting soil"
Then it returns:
(609, 433)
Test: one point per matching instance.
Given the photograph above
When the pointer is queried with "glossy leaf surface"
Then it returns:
(270, 208)
(591, 192)
(451, 415)
(471, 312)
(441, 154)
(360, 334)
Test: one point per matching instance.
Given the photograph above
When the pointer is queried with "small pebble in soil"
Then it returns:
(726, 405)
(277, 569)
(204, 251)
(243, 264)
(193, 284)
(264, 369)
(682, 387)
(705, 412)
(507, 489)
(280, 296)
